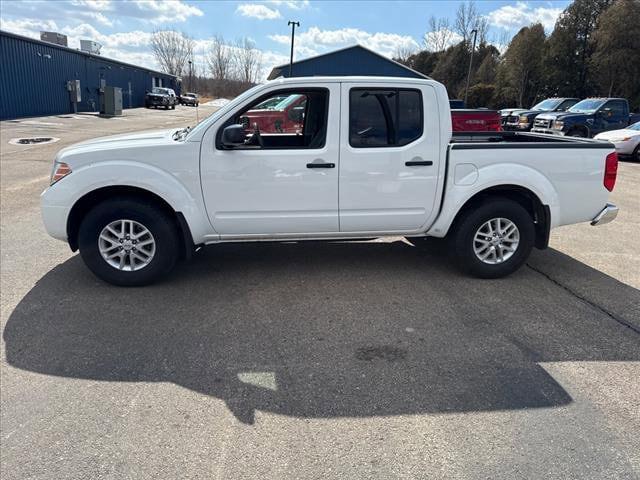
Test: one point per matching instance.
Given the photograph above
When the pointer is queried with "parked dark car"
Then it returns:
(189, 98)
(587, 118)
(161, 97)
(456, 104)
(522, 120)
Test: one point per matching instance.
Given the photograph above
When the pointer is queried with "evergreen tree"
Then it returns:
(570, 48)
(520, 72)
(615, 63)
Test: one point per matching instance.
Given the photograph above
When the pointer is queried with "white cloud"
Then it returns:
(28, 27)
(513, 17)
(167, 11)
(292, 4)
(99, 5)
(259, 11)
(104, 12)
(315, 41)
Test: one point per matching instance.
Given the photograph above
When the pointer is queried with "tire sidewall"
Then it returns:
(465, 231)
(154, 219)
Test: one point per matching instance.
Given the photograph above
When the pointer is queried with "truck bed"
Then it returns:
(507, 139)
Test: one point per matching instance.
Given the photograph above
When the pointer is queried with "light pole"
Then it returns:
(466, 90)
(293, 33)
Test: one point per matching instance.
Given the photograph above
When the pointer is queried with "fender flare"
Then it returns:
(126, 173)
(489, 177)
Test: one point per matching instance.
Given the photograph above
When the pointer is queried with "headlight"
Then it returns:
(558, 125)
(523, 119)
(60, 170)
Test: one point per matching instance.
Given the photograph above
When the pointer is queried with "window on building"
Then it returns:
(384, 117)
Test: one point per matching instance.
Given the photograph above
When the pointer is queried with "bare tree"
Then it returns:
(468, 19)
(172, 50)
(247, 61)
(439, 34)
(220, 59)
(402, 54)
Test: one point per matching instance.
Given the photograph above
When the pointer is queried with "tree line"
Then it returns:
(232, 66)
(593, 50)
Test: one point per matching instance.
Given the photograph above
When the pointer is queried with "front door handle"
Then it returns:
(321, 165)
(418, 163)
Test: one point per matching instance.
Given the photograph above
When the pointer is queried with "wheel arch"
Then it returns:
(540, 211)
(85, 203)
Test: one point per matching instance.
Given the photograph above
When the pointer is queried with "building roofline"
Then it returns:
(357, 45)
(80, 52)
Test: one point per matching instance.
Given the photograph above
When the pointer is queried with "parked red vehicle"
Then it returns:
(475, 120)
(277, 115)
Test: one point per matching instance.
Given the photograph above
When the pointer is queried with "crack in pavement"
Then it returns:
(593, 304)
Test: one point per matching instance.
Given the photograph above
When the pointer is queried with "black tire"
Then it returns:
(577, 132)
(173, 107)
(461, 238)
(636, 154)
(161, 225)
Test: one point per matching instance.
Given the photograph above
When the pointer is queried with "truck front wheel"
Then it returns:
(128, 242)
(494, 239)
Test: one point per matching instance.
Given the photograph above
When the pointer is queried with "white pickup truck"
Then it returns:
(367, 157)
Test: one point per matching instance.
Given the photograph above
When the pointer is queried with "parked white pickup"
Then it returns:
(323, 158)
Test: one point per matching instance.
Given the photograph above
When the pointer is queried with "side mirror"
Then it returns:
(233, 136)
(296, 114)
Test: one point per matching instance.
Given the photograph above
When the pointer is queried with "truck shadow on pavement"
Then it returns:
(326, 330)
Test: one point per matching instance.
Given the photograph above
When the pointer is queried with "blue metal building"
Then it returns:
(355, 60)
(35, 78)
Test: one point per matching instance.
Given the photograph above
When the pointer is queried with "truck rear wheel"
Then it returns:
(128, 242)
(494, 239)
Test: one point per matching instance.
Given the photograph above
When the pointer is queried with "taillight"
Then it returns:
(610, 171)
(60, 170)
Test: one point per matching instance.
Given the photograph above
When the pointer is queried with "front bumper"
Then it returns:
(548, 131)
(157, 102)
(606, 215)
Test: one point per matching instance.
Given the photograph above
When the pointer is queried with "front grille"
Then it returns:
(512, 119)
(543, 123)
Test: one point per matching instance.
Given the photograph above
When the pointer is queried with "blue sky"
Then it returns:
(124, 26)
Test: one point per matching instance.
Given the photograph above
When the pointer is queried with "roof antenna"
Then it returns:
(293, 33)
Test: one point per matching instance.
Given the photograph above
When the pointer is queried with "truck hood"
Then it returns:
(150, 138)
(561, 116)
(505, 112)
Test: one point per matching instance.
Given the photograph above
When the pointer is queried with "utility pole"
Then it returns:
(293, 33)
(466, 90)
(190, 76)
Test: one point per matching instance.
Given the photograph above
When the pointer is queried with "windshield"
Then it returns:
(635, 126)
(287, 101)
(268, 104)
(586, 106)
(160, 90)
(546, 105)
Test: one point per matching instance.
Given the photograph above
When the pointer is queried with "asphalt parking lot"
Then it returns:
(314, 360)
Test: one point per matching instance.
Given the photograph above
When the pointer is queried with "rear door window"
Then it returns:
(384, 117)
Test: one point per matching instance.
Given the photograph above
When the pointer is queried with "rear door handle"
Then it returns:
(321, 165)
(418, 163)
